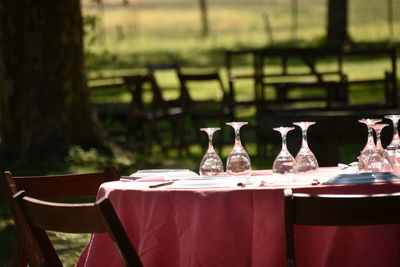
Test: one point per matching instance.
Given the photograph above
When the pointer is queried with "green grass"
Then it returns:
(155, 30)
(356, 68)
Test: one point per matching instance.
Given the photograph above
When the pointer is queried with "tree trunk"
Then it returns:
(204, 18)
(44, 101)
(337, 22)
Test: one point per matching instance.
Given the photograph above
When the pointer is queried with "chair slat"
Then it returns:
(62, 186)
(61, 217)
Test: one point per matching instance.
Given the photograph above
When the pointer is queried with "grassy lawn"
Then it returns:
(129, 36)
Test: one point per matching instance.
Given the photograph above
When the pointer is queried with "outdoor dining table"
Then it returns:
(237, 226)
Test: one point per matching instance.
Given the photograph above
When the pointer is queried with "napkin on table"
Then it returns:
(156, 178)
(153, 178)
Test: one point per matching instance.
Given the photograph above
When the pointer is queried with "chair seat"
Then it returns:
(158, 114)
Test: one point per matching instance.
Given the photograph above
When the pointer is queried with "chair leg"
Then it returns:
(221, 138)
(135, 134)
(151, 137)
(154, 134)
(187, 120)
(20, 259)
(178, 129)
(197, 124)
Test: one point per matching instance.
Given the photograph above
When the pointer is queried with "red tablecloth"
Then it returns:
(236, 227)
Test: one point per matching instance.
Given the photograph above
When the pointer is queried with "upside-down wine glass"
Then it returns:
(238, 162)
(284, 166)
(369, 146)
(284, 163)
(393, 149)
(379, 161)
(211, 164)
(306, 162)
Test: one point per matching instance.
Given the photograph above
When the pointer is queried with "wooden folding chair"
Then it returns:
(37, 216)
(336, 210)
(52, 187)
(215, 107)
(146, 122)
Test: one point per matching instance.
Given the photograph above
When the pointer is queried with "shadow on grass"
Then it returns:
(7, 241)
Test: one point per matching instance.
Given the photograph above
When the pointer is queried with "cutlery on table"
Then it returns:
(161, 184)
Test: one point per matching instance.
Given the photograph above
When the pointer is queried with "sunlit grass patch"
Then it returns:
(69, 246)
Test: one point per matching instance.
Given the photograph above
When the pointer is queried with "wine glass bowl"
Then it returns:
(378, 160)
(393, 149)
(305, 158)
(238, 162)
(284, 163)
(211, 163)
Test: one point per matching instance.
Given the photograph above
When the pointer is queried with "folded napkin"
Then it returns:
(160, 175)
(155, 178)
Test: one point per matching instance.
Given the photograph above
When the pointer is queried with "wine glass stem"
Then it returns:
(370, 141)
(304, 142)
(395, 130)
(284, 146)
(210, 144)
(378, 139)
(237, 137)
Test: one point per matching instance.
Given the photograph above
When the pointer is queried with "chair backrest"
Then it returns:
(52, 187)
(165, 78)
(188, 80)
(57, 186)
(164, 72)
(135, 85)
(337, 210)
(37, 216)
